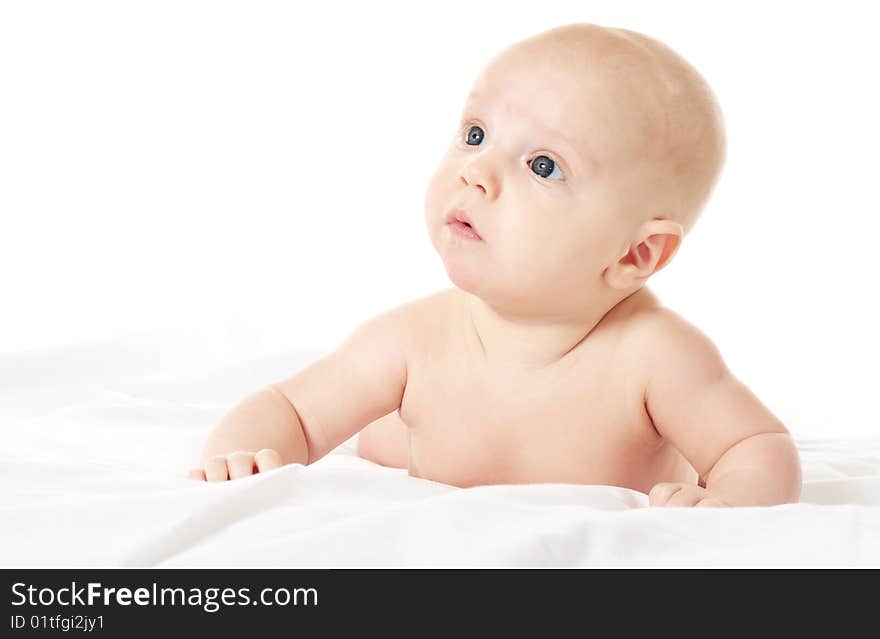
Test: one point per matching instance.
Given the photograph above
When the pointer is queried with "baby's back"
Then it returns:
(582, 419)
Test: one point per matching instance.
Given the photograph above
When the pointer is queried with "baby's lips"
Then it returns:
(459, 215)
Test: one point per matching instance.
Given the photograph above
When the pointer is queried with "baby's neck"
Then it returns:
(531, 342)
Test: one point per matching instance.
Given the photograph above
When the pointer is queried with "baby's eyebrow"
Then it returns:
(588, 159)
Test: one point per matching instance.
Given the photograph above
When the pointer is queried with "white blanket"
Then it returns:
(96, 440)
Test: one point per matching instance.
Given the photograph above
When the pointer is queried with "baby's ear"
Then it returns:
(654, 245)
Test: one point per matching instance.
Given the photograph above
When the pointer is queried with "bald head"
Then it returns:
(650, 112)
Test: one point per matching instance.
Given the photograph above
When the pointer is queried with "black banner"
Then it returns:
(237, 602)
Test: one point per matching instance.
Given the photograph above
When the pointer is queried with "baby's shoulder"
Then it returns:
(423, 316)
(661, 339)
(427, 312)
(653, 322)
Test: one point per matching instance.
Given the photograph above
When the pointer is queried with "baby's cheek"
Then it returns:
(431, 197)
(541, 262)
(441, 178)
(522, 261)
(441, 195)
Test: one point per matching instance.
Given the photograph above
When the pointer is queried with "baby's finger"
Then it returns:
(215, 469)
(240, 465)
(267, 459)
(711, 502)
(196, 473)
(686, 497)
(661, 493)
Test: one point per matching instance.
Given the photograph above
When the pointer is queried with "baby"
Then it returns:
(584, 155)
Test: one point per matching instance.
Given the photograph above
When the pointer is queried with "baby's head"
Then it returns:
(584, 155)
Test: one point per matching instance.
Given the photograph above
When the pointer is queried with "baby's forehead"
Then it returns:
(575, 65)
(584, 103)
(613, 86)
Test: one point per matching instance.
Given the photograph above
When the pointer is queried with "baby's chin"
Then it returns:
(465, 273)
(481, 279)
(462, 265)
(473, 268)
(505, 290)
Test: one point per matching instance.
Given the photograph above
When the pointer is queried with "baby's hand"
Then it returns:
(675, 494)
(237, 465)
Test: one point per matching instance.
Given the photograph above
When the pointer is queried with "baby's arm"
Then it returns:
(302, 418)
(742, 452)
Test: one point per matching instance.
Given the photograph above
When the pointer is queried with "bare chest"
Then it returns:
(580, 422)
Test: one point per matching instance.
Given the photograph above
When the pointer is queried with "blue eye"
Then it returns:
(475, 136)
(546, 168)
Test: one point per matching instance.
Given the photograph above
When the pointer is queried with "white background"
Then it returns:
(263, 166)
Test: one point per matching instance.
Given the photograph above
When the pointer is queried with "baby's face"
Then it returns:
(547, 162)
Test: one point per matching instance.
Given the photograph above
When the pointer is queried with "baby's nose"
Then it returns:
(477, 174)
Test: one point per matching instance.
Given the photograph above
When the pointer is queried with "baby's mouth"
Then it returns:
(464, 229)
(460, 223)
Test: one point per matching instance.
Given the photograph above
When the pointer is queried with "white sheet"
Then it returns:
(96, 440)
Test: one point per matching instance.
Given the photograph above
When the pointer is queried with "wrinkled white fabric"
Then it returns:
(97, 439)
